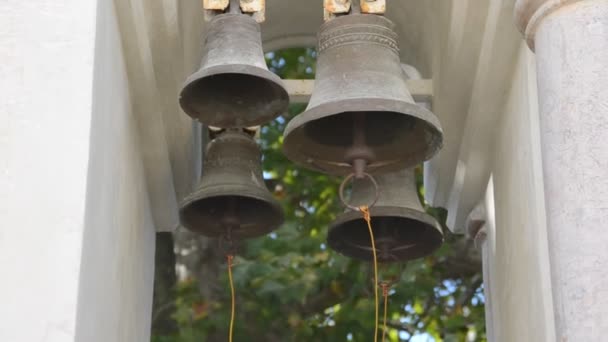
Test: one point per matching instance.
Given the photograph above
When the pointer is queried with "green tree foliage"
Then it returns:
(291, 287)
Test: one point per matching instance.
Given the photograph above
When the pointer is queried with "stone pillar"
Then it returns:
(476, 227)
(570, 39)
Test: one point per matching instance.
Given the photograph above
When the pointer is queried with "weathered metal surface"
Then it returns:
(373, 6)
(402, 229)
(233, 87)
(359, 71)
(301, 90)
(232, 193)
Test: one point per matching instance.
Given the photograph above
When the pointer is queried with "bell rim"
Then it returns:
(428, 118)
(429, 221)
(220, 191)
(238, 69)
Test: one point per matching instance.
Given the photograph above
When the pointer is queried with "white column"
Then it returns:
(46, 71)
(571, 43)
(76, 234)
(476, 227)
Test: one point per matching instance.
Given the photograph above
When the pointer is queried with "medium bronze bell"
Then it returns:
(361, 108)
(233, 87)
(231, 198)
(402, 229)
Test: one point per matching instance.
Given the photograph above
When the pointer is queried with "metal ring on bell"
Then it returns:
(358, 208)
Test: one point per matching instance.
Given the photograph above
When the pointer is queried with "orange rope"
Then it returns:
(385, 294)
(232, 311)
(367, 217)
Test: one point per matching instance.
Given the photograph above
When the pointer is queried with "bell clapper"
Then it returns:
(359, 155)
(230, 222)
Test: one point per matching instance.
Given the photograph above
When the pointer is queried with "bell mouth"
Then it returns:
(399, 135)
(400, 234)
(248, 216)
(234, 95)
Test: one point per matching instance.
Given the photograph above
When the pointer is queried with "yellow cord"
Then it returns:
(385, 294)
(230, 257)
(366, 216)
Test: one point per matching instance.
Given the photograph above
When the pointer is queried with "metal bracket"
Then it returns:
(215, 5)
(333, 7)
(373, 6)
(255, 8)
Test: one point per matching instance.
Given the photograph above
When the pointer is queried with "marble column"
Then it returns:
(570, 39)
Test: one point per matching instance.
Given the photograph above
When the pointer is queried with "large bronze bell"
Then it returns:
(233, 87)
(402, 229)
(361, 109)
(231, 198)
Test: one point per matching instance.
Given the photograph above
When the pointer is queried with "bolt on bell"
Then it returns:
(232, 196)
(361, 108)
(233, 87)
(402, 229)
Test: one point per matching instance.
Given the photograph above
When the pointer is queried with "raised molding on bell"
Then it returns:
(300, 90)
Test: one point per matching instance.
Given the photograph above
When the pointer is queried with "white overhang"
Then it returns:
(467, 48)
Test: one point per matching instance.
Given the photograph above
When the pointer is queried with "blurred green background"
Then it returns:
(291, 287)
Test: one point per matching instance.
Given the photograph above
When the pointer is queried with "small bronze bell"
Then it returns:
(233, 87)
(361, 108)
(402, 229)
(232, 195)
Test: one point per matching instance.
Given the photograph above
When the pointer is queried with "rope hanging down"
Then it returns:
(230, 257)
(367, 217)
(385, 286)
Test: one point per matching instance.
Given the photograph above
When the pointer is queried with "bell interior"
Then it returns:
(250, 217)
(393, 139)
(379, 128)
(234, 99)
(397, 239)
